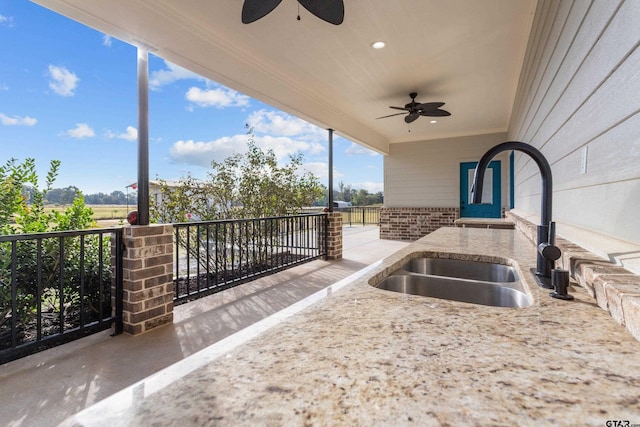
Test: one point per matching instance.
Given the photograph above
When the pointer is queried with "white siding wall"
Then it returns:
(579, 95)
(427, 173)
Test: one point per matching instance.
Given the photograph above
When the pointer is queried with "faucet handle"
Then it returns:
(549, 251)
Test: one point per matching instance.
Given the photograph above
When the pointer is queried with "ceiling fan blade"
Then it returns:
(430, 106)
(390, 115)
(331, 11)
(411, 117)
(400, 108)
(252, 10)
(435, 113)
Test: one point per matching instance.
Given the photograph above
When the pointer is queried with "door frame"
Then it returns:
(484, 210)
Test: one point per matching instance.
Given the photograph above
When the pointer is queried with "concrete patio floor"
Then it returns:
(46, 388)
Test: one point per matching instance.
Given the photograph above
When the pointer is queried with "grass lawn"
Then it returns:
(101, 212)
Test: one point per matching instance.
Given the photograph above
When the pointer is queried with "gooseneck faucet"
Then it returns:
(547, 253)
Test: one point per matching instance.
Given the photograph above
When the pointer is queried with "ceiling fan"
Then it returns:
(416, 109)
(331, 11)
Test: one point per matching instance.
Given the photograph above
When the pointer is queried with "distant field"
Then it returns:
(101, 212)
(110, 211)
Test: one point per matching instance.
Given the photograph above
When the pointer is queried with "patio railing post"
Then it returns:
(147, 270)
(117, 249)
(334, 235)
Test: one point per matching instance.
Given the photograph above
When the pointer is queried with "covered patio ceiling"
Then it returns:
(466, 53)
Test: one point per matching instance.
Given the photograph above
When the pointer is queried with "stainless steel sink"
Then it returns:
(459, 280)
(463, 269)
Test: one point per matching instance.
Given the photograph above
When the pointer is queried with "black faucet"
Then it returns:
(547, 252)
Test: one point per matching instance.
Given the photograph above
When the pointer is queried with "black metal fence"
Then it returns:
(360, 215)
(216, 255)
(354, 215)
(57, 287)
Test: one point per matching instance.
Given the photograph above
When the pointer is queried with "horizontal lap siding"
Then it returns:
(427, 173)
(579, 88)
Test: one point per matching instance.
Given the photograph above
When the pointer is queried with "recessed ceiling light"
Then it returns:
(433, 121)
(378, 45)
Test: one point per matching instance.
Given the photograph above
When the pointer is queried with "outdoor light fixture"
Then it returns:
(378, 45)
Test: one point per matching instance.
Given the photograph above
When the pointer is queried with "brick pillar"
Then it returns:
(334, 235)
(147, 277)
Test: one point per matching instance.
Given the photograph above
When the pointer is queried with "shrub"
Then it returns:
(37, 270)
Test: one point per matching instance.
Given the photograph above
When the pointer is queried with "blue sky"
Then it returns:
(68, 92)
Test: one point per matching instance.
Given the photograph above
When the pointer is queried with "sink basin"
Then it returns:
(470, 291)
(463, 269)
(459, 280)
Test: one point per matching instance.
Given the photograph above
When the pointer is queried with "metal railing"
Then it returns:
(57, 287)
(360, 215)
(215, 255)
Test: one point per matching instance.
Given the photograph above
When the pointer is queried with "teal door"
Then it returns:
(491, 202)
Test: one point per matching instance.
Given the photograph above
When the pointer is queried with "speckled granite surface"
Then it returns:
(364, 356)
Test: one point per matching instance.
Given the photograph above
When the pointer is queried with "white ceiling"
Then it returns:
(466, 53)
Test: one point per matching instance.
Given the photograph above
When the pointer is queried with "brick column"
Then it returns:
(147, 277)
(334, 235)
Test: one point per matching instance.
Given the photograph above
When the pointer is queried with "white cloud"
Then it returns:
(279, 123)
(218, 97)
(284, 134)
(172, 73)
(319, 169)
(130, 135)
(371, 187)
(106, 40)
(6, 20)
(283, 146)
(82, 130)
(17, 120)
(63, 82)
(4, 86)
(358, 150)
(201, 153)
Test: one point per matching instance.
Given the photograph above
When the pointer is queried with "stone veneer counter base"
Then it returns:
(364, 356)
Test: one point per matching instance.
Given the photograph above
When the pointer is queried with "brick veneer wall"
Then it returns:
(410, 224)
(614, 288)
(147, 277)
(334, 235)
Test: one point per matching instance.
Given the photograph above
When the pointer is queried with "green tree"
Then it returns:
(190, 198)
(250, 185)
(364, 198)
(323, 200)
(361, 198)
(62, 196)
(13, 179)
(22, 213)
(344, 192)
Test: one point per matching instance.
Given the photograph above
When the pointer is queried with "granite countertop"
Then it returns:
(364, 356)
(485, 223)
